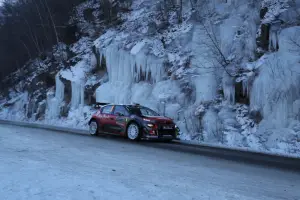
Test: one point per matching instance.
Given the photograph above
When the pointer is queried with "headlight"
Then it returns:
(150, 125)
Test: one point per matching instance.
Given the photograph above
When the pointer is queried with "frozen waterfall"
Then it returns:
(124, 69)
(275, 92)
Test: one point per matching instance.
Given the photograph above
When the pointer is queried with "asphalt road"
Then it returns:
(37, 164)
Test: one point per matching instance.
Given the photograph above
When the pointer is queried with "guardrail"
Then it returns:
(235, 154)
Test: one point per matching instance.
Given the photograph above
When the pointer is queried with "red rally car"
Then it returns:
(132, 121)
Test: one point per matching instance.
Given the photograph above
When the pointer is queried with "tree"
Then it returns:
(30, 27)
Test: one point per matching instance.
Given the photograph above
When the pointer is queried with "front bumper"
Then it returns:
(159, 135)
(156, 137)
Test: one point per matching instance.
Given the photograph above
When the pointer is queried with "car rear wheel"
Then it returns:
(93, 128)
(133, 132)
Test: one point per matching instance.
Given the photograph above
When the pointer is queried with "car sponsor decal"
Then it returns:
(104, 116)
(112, 108)
(122, 121)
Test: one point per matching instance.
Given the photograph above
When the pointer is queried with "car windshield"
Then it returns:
(142, 111)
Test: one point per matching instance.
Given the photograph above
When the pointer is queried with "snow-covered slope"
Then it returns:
(227, 74)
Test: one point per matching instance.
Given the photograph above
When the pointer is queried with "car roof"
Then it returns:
(129, 105)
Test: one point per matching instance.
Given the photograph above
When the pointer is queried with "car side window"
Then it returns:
(107, 110)
(121, 110)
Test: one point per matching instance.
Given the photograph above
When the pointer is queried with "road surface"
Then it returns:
(37, 164)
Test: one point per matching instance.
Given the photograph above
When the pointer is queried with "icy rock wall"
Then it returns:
(221, 44)
(124, 69)
(205, 81)
(275, 92)
(135, 77)
(225, 40)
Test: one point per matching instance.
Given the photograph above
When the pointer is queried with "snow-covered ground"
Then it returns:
(38, 164)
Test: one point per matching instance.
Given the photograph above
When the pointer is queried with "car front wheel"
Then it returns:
(93, 128)
(133, 132)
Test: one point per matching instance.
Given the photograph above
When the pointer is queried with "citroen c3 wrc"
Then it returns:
(132, 121)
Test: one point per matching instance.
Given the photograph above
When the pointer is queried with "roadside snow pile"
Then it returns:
(77, 118)
(16, 108)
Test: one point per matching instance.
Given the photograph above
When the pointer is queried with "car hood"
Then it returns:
(159, 119)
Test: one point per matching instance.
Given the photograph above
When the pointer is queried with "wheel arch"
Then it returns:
(92, 119)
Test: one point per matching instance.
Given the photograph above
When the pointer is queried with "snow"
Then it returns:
(76, 73)
(275, 8)
(137, 48)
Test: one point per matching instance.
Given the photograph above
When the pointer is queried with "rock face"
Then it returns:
(263, 39)
(41, 109)
(89, 94)
(67, 90)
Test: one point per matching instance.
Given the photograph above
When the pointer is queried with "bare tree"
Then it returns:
(179, 11)
(203, 14)
(34, 27)
(41, 19)
(52, 21)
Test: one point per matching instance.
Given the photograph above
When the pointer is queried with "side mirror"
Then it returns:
(119, 114)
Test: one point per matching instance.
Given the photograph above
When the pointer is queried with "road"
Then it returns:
(38, 164)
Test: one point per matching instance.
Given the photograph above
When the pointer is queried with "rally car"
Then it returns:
(132, 121)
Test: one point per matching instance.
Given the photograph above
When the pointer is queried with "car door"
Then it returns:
(108, 119)
(121, 115)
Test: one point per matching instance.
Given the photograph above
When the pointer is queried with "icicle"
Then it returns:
(273, 41)
(125, 69)
(59, 89)
(77, 99)
(54, 103)
(229, 88)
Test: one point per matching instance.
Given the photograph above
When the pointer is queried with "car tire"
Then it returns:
(93, 128)
(133, 132)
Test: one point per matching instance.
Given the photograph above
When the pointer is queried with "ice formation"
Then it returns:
(206, 81)
(77, 98)
(126, 69)
(19, 107)
(54, 102)
(276, 89)
(135, 76)
(229, 88)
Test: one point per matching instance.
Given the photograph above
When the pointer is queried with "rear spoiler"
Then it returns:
(99, 104)
(136, 104)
